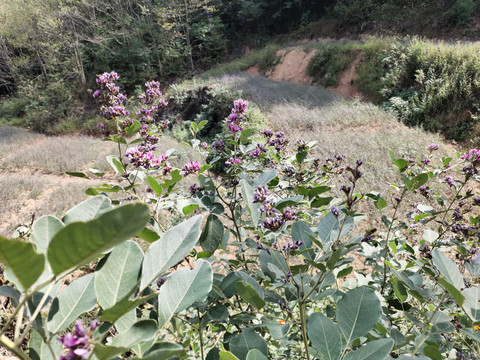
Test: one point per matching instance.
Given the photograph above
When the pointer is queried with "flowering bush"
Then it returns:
(267, 262)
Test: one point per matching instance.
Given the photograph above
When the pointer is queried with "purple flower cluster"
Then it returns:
(259, 150)
(192, 167)
(140, 157)
(233, 161)
(473, 155)
(433, 147)
(218, 146)
(195, 188)
(277, 140)
(449, 180)
(152, 93)
(236, 116)
(273, 220)
(110, 97)
(78, 343)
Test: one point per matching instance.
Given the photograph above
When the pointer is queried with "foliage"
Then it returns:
(461, 11)
(433, 85)
(287, 285)
(330, 61)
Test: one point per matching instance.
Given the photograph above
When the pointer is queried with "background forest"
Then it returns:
(59, 46)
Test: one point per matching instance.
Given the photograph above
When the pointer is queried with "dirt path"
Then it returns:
(292, 66)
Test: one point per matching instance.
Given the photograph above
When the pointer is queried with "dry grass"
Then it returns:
(32, 166)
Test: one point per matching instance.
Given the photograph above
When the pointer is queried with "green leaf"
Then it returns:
(187, 210)
(80, 242)
(227, 355)
(324, 335)
(148, 235)
(77, 174)
(122, 307)
(43, 231)
(133, 129)
(174, 245)
(282, 204)
(118, 277)
(163, 351)
(20, 258)
(399, 290)
(381, 203)
(115, 163)
(88, 209)
(39, 350)
(300, 231)
(154, 185)
(182, 289)
(402, 164)
(105, 352)
(245, 135)
(471, 304)
(76, 299)
(253, 208)
(329, 227)
(432, 352)
(247, 340)
(143, 330)
(453, 291)
(97, 172)
(419, 180)
(321, 201)
(212, 234)
(10, 292)
(358, 312)
(448, 269)
(265, 177)
(374, 350)
(256, 354)
(249, 294)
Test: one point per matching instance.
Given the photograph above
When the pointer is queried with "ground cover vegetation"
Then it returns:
(263, 259)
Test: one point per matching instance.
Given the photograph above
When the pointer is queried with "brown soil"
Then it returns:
(292, 66)
(346, 86)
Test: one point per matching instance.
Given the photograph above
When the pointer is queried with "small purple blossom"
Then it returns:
(426, 161)
(449, 180)
(192, 167)
(233, 161)
(78, 343)
(195, 188)
(433, 147)
(235, 119)
(218, 145)
(260, 194)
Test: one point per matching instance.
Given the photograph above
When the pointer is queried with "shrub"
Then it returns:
(461, 11)
(287, 285)
(329, 62)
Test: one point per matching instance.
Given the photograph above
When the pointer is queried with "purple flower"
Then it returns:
(273, 223)
(267, 133)
(449, 180)
(78, 343)
(233, 161)
(192, 167)
(236, 117)
(96, 94)
(432, 147)
(426, 161)
(194, 188)
(218, 145)
(255, 153)
(260, 194)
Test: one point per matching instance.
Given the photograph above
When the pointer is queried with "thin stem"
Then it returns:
(18, 323)
(200, 333)
(37, 311)
(386, 241)
(425, 330)
(10, 345)
(303, 319)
